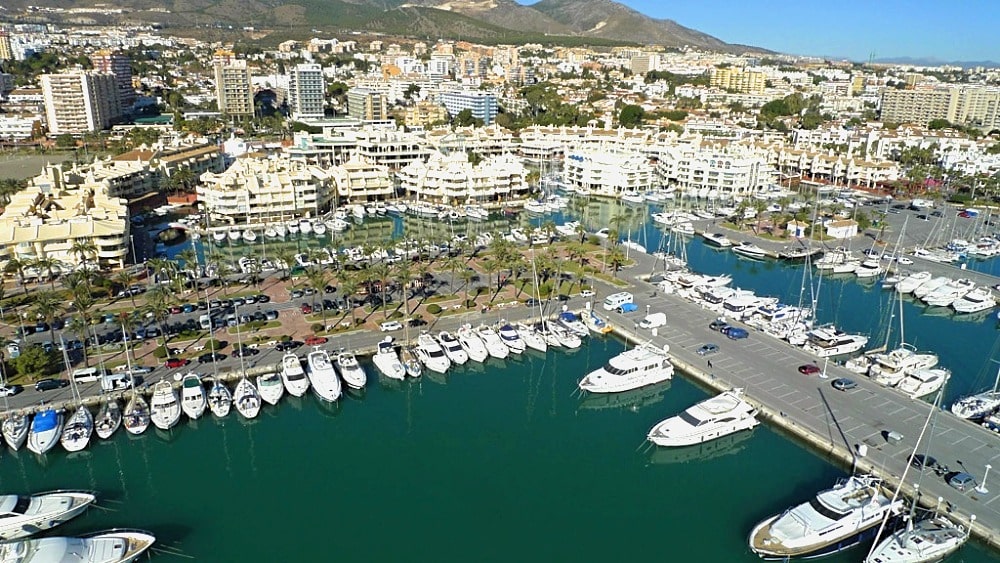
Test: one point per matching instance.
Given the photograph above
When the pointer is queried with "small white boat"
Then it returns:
(164, 408)
(219, 235)
(930, 539)
(270, 233)
(193, 401)
(566, 338)
(411, 364)
(78, 430)
(15, 430)
(112, 546)
(684, 228)
(136, 418)
(472, 344)
(638, 367)
(452, 348)
(293, 227)
(572, 323)
(717, 239)
(750, 250)
(494, 344)
(319, 228)
(293, 376)
(246, 398)
(234, 235)
(387, 360)
(595, 323)
(351, 371)
(220, 400)
(305, 227)
(109, 418)
(715, 417)
(280, 230)
(270, 387)
(431, 354)
(249, 236)
(531, 338)
(923, 382)
(511, 338)
(46, 427)
(322, 376)
(25, 516)
(912, 282)
(979, 299)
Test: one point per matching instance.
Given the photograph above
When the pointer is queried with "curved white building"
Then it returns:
(608, 174)
(453, 179)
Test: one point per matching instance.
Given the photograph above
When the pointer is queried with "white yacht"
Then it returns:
(293, 376)
(24, 516)
(632, 369)
(431, 354)
(246, 398)
(511, 338)
(234, 234)
(833, 258)
(270, 387)
(322, 376)
(928, 540)
(219, 235)
(889, 368)
(305, 227)
(923, 382)
(717, 239)
(136, 418)
(494, 345)
(828, 341)
(78, 430)
(750, 250)
(319, 228)
(164, 408)
(293, 227)
(930, 285)
(109, 418)
(912, 282)
(351, 371)
(15, 430)
(979, 299)
(531, 338)
(945, 295)
(249, 236)
(280, 230)
(573, 323)
(387, 360)
(112, 546)
(834, 520)
(566, 338)
(452, 348)
(712, 418)
(870, 268)
(46, 427)
(193, 401)
(472, 344)
(220, 399)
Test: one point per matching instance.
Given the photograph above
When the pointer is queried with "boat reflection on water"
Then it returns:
(329, 409)
(727, 445)
(631, 400)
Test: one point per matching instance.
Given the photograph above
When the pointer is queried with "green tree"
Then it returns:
(48, 305)
(65, 141)
(631, 116)
(35, 362)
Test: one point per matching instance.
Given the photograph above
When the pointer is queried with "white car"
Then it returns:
(390, 325)
(904, 261)
(587, 293)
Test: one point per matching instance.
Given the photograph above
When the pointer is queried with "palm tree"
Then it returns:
(190, 259)
(80, 326)
(467, 275)
(84, 249)
(158, 300)
(317, 280)
(48, 265)
(453, 264)
(48, 305)
(348, 287)
(491, 266)
(17, 266)
(126, 279)
(285, 258)
(616, 258)
(404, 273)
(759, 207)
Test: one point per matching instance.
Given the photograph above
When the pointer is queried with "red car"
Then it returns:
(175, 363)
(306, 308)
(809, 369)
(316, 340)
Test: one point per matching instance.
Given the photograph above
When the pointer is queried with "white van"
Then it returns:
(87, 375)
(115, 381)
(616, 300)
(653, 320)
(205, 322)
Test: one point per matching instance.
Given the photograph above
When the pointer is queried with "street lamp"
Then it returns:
(981, 489)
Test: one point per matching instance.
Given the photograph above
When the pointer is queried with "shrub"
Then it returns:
(285, 338)
(213, 344)
(160, 352)
(434, 308)
(317, 327)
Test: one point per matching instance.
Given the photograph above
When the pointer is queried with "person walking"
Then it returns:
(710, 364)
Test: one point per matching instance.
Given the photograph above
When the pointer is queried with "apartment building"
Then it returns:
(6, 53)
(452, 179)
(367, 104)
(606, 174)
(696, 170)
(306, 92)
(968, 105)
(120, 65)
(483, 105)
(358, 181)
(233, 88)
(78, 102)
(423, 114)
(739, 80)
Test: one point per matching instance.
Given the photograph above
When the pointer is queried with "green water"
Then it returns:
(497, 463)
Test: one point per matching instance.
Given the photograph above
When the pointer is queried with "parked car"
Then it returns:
(809, 369)
(718, 324)
(263, 298)
(306, 309)
(735, 332)
(271, 314)
(962, 481)
(316, 340)
(923, 461)
(172, 363)
(707, 349)
(390, 325)
(244, 352)
(49, 384)
(843, 383)
(211, 356)
(627, 308)
(10, 390)
(296, 293)
(586, 293)
(288, 345)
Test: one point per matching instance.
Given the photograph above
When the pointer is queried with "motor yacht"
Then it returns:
(270, 387)
(511, 338)
(78, 430)
(219, 236)
(220, 399)
(929, 539)
(319, 228)
(572, 323)
(566, 338)
(717, 239)
(930, 285)
(112, 546)
(531, 338)
(234, 235)
(193, 401)
(472, 344)
(15, 430)
(712, 418)
(826, 342)
(494, 344)
(109, 418)
(164, 408)
(293, 376)
(387, 360)
(46, 427)
(869, 268)
(595, 323)
(293, 227)
(923, 382)
(833, 258)
(25, 516)
(682, 228)
(452, 348)
(270, 233)
(305, 226)
(136, 417)
(322, 377)
(945, 295)
(431, 354)
(280, 230)
(632, 369)
(979, 299)
(912, 282)
(846, 267)
(249, 236)
(836, 519)
(569, 229)
(750, 250)
(351, 371)
(246, 398)
(889, 368)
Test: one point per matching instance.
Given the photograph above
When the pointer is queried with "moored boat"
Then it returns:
(246, 398)
(136, 418)
(164, 408)
(220, 399)
(640, 366)
(293, 376)
(472, 344)
(15, 430)
(712, 418)
(351, 371)
(452, 348)
(78, 430)
(431, 354)
(322, 376)
(270, 387)
(112, 546)
(387, 360)
(929, 539)
(193, 401)
(25, 516)
(494, 344)
(46, 427)
(511, 338)
(109, 418)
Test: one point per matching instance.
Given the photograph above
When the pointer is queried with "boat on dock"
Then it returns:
(572, 323)
(472, 344)
(387, 360)
(112, 546)
(595, 323)
(511, 338)
(25, 516)
(293, 376)
(46, 427)
(638, 367)
(136, 418)
(716, 239)
(78, 430)
(750, 250)
(826, 342)
(452, 348)
(911, 282)
(270, 387)
(193, 401)
(431, 354)
(249, 236)
(164, 408)
(15, 430)
(923, 382)
(109, 418)
(322, 376)
(351, 371)
(929, 539)
(494, 344)
(715, 417)
(531, 338)
(246, 398)
(220, 399)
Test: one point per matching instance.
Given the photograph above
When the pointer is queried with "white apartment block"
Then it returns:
(607, 174)
(255, 190)
(19, 128)
(233, 88)
(969, 105)
(79, 102)
(452, 179)
(701, 172)
(359, 181)
(306, 92)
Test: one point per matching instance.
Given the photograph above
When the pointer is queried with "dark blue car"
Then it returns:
(735, 332)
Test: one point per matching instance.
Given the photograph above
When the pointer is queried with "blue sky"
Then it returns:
(960, 30)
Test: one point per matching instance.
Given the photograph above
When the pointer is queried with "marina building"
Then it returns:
(120, 65)
(607, 174)
(48, 217)
(79, 102)
(424, 114)
(452, 179)
(233, 87)
(358, 180)
(695, 170)
(256, 190)
(483, 105)
(306, 92)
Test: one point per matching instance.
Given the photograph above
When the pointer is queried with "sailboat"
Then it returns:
(411, 364)
(979, 405)
(164, 408)
(193, 401)
(247, 398)
(109, 418)
(220, 400)
(15, 430)
(136, 418)
(78, 430)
